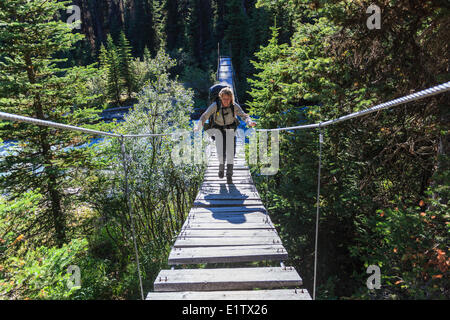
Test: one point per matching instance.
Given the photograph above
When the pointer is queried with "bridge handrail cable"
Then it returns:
(409, 98)
(15, 117)
(412, 97)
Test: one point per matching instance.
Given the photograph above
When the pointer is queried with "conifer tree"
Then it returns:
(113, 74)
(218, 10)
(160, 23)
(103, 58)
(147, 55)
(192, 26)
(236, 37)
(33, 83)
(126, 58)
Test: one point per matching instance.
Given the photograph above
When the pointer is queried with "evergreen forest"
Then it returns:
(385, 177)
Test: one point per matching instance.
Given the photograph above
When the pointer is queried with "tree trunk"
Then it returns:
(50, 171)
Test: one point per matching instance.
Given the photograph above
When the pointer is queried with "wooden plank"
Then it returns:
(205, 192)
(250, 216)
(234, 181)
(234, 217)
(231, 217)
(236, 170)
(239, 156)
(225, 221)
(238, 178)
(235, 163)
(191, 225)
(238, 197)
(227, 279)
(257, 295)
(230, 210)
(243, 208)
(220, 242)
(222, 184)
(228, 196)
(226, 203)
(215, 168)
(237, 174)
(228, 223)
(216, 177)
(240, 186)
(239, 147)
(227, 254)
(226, 233)
(219, 185)
(215, 163)
(238, 165)
(213, 157)
(227, 189)
(232, 190)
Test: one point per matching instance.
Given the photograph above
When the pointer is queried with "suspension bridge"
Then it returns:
(228, 224)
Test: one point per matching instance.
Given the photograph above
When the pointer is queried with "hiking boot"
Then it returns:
(229, 180)
(221, 170)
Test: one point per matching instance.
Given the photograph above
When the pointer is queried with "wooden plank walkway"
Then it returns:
(228, 224)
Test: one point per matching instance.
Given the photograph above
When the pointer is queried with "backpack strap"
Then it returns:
(218, 104)
(219, 108)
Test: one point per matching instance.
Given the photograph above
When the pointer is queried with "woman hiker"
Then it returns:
(225, 119)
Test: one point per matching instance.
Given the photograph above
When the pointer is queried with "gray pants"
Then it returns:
(225, 144)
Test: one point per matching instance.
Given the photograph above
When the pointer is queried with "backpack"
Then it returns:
(214, 97)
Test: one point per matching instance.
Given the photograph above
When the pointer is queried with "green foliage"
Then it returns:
(114, 79)
(381, 161)
(385, 177)
(125, 56)
(199, 81)
(41, 273)
(148, 69)
(18, 217)
(33, 82)
(160, 23)
(117, 71)
(410, 244)
(161, 191)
